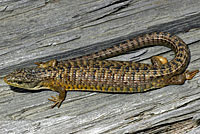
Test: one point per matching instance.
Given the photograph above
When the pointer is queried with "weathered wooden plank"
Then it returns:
(42, 30)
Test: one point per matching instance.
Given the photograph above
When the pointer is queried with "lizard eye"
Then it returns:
(19, 82)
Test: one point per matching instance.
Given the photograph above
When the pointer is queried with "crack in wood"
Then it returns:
(178, 127)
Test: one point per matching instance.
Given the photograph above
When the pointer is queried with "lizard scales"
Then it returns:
(94, 73)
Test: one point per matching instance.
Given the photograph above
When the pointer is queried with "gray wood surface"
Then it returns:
(40, 30)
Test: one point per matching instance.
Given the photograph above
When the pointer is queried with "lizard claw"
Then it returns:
(57, 101)
(190, 75)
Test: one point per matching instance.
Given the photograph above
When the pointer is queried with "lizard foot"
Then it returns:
(57, 101)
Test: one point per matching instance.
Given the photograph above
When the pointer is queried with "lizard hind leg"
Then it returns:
(158, 60)
(177, 79)
(190, 75)
(181, 78)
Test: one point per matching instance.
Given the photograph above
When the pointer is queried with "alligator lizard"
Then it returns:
(93, 73)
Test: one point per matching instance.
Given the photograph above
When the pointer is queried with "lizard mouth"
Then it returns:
(32, 85)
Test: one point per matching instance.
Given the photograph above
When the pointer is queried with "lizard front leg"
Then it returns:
(56, 86)
(51, 63)
(59, 98)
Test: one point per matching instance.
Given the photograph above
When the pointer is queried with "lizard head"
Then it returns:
(25, 78)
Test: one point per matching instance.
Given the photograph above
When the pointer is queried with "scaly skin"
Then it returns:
(94, 73)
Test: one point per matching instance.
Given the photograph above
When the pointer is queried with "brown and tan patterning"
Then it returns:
(94, 73)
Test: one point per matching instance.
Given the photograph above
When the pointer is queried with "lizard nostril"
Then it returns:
(6, 79)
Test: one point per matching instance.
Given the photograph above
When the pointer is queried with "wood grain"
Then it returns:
(41, 30)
